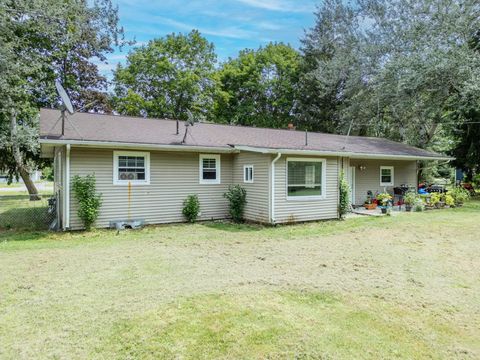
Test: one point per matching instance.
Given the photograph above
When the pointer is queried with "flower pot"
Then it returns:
(370, 206)
(408, 208)
(384, 210)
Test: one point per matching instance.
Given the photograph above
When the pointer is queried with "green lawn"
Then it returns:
(378, 288)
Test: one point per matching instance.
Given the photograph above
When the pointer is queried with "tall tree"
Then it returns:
(467, 136)
(259, 87)
(41, 41)
(334, 69)
(168, 78)
(394, 68)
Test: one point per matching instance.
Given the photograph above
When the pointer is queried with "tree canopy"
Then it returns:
(404, 70)
(41, 41)
(167, 78)
(259, 87)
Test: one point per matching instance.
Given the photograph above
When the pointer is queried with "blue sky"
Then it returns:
(231, 25)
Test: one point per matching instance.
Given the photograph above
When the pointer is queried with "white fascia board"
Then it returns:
(137, 146)
(348, 154)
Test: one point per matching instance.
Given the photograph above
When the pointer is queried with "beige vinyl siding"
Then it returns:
(173, 176)
(306, 210)
(258, 191)
(405, 172)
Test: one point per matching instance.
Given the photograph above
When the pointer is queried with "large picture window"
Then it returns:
(386, 175)
(131, 167)
(306, 178)
(209, 169)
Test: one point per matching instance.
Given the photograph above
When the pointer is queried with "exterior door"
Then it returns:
(351, 182)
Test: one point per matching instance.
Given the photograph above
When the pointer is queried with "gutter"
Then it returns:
(119, 145)
(67, 188)
(352, 155)
(272, 189)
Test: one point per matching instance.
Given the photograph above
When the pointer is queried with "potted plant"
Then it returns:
(409, 200)
(369, 204)
(384, 199)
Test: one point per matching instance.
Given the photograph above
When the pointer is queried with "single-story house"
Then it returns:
(145, 168)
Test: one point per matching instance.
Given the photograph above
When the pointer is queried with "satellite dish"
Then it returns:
(64, 96)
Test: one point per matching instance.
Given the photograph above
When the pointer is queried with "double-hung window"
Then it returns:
(386, 175)
(209, 169)
(248, 173)
(131, 167)
(306, 178)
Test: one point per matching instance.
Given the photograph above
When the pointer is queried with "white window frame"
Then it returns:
(245, 167)
(217, 169)
(323, 195)
(392, 169)
(117, 181)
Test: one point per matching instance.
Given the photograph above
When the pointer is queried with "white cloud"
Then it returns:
(279, 5)
(228, 32)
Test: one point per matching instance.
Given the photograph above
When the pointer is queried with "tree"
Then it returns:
(259, 87)
(41, 41)
(396, 69)
(167, 78)
(467, 136)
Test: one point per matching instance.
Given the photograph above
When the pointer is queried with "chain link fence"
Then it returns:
(19, 212)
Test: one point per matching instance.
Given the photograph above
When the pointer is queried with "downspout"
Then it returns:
(272, 188)
(67, 188)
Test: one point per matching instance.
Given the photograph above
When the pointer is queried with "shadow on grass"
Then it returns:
(23, 235)
(229, 226)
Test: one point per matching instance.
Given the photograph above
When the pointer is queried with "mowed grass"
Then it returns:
(392, 287)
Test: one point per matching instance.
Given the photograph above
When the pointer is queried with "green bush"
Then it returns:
(237, 196)
(191, 208)
(449, 200)
(89, 201)
(344, 202)
(418, 205)
(47, 173)
(460, 195)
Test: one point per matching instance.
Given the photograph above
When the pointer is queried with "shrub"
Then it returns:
(344, 202)
(47, 173)
(237, 196)
(435, 198)
(476, 180)
(191, 208)
(459, 195)
(449, 200)
(89, 201)
(418, 205)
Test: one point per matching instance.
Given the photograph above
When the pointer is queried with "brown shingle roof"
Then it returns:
(124, 129)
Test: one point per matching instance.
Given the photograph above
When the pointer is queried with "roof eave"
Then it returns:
(353, 155)
(139, 146)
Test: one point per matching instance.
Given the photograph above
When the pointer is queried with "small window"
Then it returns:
(305, 178)
(386, 175)
(209, 169)
(131, 167)
(248, 173)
